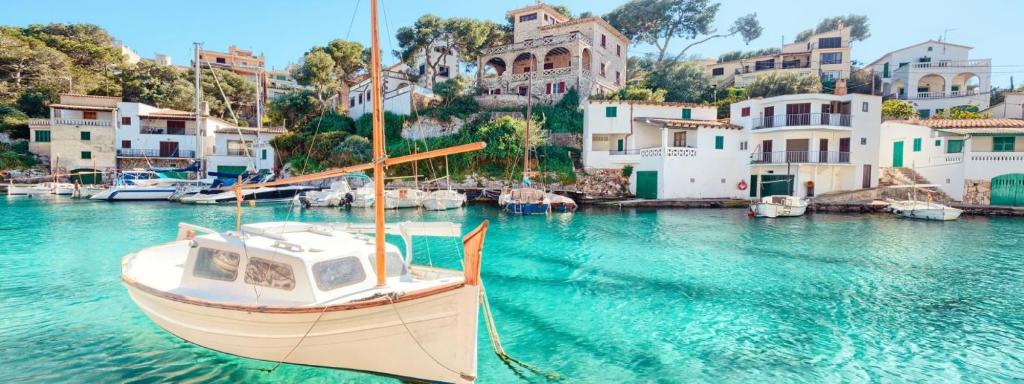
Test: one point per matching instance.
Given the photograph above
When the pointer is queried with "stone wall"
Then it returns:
(571, 140)
(978, 192)
(425, 127)
(602, 183)
(143, 163)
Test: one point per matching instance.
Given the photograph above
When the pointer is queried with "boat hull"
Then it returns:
(930, 214)
(527, 208)
(777, 210)
(132, 193)
(389, 339)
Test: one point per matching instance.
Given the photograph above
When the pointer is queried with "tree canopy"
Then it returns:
(658, 22)
(858, 24)
(685, 81)
(783, 83)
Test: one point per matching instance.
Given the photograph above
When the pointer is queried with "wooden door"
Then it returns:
(1008, 190)
(826, 113)
(769, 117)
(797, 150)
(647, 184)
(823, 150)
(798, 114)
(867, 176)
(168, 149)
(844, 150)
(766, 151)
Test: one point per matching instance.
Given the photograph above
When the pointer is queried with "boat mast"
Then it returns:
(378, 145)
(529, 120)
(199, 103)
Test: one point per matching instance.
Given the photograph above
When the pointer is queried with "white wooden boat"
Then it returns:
(306, 294)
(87, 190)
(778, 206)
(363, 197)
(61, 189)
(443, 199)
(403, 198)
(29, 189)
(924, 210)
(332, 197)
(561, 203)
(524, 201)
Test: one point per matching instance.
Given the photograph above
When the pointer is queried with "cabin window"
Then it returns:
(216, 264)
(395, 264)
(337, 273)
(268, 273)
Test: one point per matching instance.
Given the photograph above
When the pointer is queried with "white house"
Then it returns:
(977, 161)
(401, 93)
(825, 54)
(810, 144)
(935, 76)
(1012, 107)
(238, 149)
(676, 150)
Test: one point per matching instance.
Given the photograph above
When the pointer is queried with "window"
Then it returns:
(903, 64)
(764, 64)
(885, 70)
(85, 135)
(719, 142)
(528, 17)
(745, 112)
(938, 142)
(337, 273)
(547, 88)
(830, 42)
(351, 101)
(523, 90)
(1003, 143)
(929, 49)
(394, 263)
(561, 87)
(604, 41)
(602, 69)
(42, 136)
(266, 273)
(126, 144)
(917, 144)
(922, 89)
(925, 59)
(923, 113)
(679, 139)
(422, 69)
(176, 124)
(717, 71)
(618, 77)
(126, 120)
(86, 155)
(360, 98)
(220, 60)
(939, 111)
(864, 106)
(832, 58)
(954, 146)
(743, 145)
(611, 111)
(263, 154)
(863, 141)
(237, 147)
(89, 115)
(618, 50)
(216, 264)
(443, 70)
(687, 113)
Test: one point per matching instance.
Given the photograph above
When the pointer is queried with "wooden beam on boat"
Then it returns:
(362, 167)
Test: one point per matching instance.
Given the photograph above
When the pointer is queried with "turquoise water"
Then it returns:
(598, 296)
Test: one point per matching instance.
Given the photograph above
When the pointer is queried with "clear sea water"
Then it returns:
(599, 296)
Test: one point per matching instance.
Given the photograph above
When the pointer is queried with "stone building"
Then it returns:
(79, 134)
(559, 53)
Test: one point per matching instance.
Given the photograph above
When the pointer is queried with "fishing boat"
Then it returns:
(334, 296)
(778, 206)
(443, 199)
(524, 201)
(28, 189)
(924, 210)
(403, 198)
(61, 189)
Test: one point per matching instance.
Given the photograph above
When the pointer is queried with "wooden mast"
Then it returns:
(378, 145)
(529, 120)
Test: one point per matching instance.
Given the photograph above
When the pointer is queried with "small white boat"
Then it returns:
(86, 191)
(337, 195)
(281, 194)
(561, 203)
(778, 206)
(61, 189)
(403, 198)
(923, 210)
(29, 189)
(363, 197)
(443, 199)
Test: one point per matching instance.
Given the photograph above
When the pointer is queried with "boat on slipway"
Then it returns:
(326, 295)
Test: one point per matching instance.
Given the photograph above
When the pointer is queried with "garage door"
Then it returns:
(776, 185)
(1008, 190)
(647, 184)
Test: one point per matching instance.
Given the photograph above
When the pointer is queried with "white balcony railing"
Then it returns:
(38, 121)
(949, 158)
(91, 123)
(998, 157)
(668, 152)
(954, 63)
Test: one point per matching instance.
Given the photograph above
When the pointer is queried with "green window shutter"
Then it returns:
(885, 70)
(611, 111)
(687, 113)
(954, 146)
(923, 113)
(917, 145)
(1003, 143)
(85, 135)
(42, 136)
(719, 142)
(86, 155)
(938, 143)
(263, 155)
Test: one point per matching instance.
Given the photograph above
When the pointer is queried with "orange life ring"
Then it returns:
(742, 185)
(809, 184)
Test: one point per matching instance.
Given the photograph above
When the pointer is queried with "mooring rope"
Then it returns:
(492, 333)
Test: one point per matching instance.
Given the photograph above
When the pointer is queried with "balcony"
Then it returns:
(795, 64)
(956, 64)
(81, 122)
(803, 119)
(800, 157)
(152, 130)
(178, 154)
(668, 152)
(944, 95)
(541, 42)
(38, 122)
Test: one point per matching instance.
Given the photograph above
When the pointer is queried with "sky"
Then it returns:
(284, 30)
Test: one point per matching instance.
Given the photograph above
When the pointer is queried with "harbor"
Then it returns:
(706, 294)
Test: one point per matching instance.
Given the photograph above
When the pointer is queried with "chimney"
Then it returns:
(840, 87)
(839, 25)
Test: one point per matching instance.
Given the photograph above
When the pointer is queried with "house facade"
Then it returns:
(676, 150)
(238, 149)
(935, 76)
(557, 53)
(825, 54)
(810, 144)
(403, 95)
(280, 82)
(977, 161)
(79, 135)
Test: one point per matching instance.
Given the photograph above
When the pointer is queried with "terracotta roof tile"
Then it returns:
(684, 123)
(968, 123)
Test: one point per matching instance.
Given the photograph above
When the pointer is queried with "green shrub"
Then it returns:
(898, 109)
(392, 125)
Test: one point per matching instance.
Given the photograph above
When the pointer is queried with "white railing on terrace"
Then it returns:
(948, 158)
(541, 42)
(998, 156)
(802, 119)
(954, 64)
(38, 121)
(152, 130)
(91, 123)
(786, 157)
(668, 152)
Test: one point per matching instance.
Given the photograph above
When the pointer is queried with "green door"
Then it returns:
(897, 154)
(231, 169)
(647, 184)
(1008, 190)
(776, 185)
(86, 176)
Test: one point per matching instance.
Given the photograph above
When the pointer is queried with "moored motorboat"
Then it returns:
(443, 199)
(923, 210)
(778, 206)
(277, 194)
(403, 198)
(524, 201)
(338, 194)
